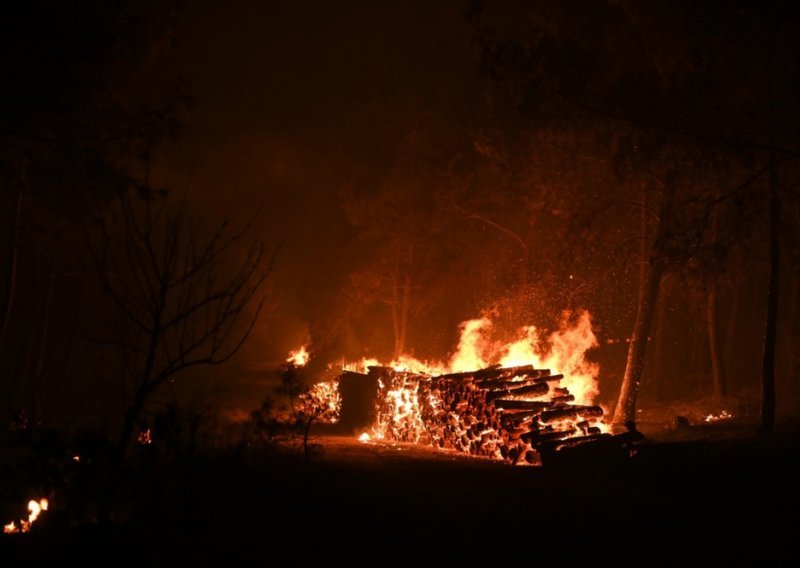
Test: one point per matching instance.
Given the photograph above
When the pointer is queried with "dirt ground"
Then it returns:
(714, 493)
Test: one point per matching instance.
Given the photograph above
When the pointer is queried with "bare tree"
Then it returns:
(180, 295)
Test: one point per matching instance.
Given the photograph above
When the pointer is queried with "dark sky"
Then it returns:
(293, 100)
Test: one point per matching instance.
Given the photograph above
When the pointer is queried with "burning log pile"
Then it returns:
(515, 414)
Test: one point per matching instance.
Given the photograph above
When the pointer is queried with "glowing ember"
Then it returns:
(322, 401)
(144, 438)
(364, 438)
(724, 415)
(298, 357)
(35, 509)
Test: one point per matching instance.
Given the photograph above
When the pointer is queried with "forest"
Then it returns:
(224, 226)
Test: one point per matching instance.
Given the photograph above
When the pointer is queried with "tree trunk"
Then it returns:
(648, 297)
(720, 386)
(771, 324)
(730, 332)
(131, 417)
(658, 357)
(11, 268)
(38, 376)
(401, 297)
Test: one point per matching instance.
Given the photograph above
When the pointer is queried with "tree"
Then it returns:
(661, 89)
(181, 296)
(74, 114)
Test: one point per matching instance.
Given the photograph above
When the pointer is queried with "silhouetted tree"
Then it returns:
(181, 294)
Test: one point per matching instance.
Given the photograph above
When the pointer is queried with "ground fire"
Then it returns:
(516, 401)
(35, 509)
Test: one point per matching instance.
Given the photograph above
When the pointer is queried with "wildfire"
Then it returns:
(489, 397)
(35, 509)
(298, 357)
(364, 438)
(724, 415)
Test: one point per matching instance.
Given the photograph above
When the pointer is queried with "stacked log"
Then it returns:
(512, 414)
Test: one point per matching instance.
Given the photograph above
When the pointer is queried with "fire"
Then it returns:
(143, 438)
(364, 438)
(724, 415)
(299, 357)
(482, 399)
(35, 509)
(322, 401)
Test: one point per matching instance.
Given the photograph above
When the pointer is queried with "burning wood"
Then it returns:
(459, 412)
(519, 398)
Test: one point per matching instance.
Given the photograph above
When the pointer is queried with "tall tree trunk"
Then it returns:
(658, 339)
(11, 268)
(767, 425)
(401, 297)
(720, 385)
(38, 376)
(771, 323)
(634, 368)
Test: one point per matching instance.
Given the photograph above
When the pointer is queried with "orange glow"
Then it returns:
(364, 438)
(299, 357)
(35, 509)
(724, 415)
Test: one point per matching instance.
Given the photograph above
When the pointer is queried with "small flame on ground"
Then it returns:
(299, 357)
(143, 438)
(35, 509)
(724, 415)
(364, 438)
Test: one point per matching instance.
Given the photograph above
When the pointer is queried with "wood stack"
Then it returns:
(508, 413)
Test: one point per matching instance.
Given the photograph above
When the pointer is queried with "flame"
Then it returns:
(563, 351)
(724, 415)
(322, 401)
(411, 407)
(471, 346)
(35, 509)
(299, 357)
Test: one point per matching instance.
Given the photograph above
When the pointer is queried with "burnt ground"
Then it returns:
(712, 492)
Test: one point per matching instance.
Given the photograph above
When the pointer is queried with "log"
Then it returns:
(521, 404)
(562, 399)
(571, 442)
(570, 412)
(488, 372)
(550, 378)
(536, 389)
(538, 437)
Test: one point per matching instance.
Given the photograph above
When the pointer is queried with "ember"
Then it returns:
(724, 415)
(144, 438)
